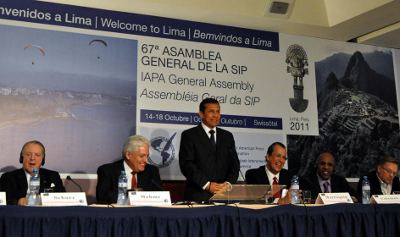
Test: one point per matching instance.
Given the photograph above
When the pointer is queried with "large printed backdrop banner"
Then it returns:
(83, 80)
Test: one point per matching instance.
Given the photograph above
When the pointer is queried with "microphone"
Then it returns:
(69, 178)
(160, 187)
(241, 174)
(248, 188)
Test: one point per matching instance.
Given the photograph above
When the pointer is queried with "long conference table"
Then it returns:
(242, 220)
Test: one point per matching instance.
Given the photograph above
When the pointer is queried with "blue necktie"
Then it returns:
(212, 138)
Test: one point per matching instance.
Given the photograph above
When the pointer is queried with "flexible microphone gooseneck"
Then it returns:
(160, 187)
(69, 178)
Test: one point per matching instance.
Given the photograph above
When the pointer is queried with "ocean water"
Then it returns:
(94, 137)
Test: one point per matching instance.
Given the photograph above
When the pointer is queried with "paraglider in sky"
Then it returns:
(99, 41)
(35, 46)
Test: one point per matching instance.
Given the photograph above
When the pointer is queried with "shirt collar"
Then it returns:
(380, 180)
(207, 129)
(321, 181)
(28, 179)
(28, 175)
(271, 175)
(127, 169)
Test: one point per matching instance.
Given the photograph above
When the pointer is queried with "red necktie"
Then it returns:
(134, 185)
(275, 189)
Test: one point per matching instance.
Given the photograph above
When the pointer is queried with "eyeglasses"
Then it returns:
(389, 171)
(279, 156)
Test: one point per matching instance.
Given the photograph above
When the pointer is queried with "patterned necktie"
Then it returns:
(275, 189)
(326, 187)
(212, 138)
(134, 185)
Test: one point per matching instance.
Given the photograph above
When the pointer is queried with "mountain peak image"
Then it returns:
(358, 118)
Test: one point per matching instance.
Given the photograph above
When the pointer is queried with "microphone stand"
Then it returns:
(69, 178)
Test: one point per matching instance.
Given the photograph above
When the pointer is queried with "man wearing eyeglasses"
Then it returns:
(267, 174)
(384, 180)
(273, 173)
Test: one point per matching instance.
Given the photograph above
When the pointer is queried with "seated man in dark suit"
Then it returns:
(273, 172)
(324, 181)
(16, 183)
(384, 180)
(140, 174)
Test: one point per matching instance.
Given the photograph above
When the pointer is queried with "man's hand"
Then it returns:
(288, 198)
(213, 188)
(23, 201)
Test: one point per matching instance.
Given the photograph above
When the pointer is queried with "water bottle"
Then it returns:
(366, 191)
(122, 187)
(295, 190)
(34, 186)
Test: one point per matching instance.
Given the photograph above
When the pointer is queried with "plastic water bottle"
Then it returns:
(34, 186)
(122, 187)
(295, 190)
(366, 191)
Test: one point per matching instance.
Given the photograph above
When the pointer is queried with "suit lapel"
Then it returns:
(142, 178)
(334, 185)
(220, 138)
(316, 183)
(283, 176)
(43, 180)
(204, 139)
(263, 175)
(21, 180)
(119, 167)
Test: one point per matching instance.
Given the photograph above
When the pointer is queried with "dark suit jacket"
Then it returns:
(259, 176)
(375, 184)
(200, 162)
(107, 180)
(15, 185)
(339, 184)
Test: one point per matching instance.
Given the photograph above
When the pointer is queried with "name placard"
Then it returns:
(3, 200)
(332, 198)
(382, 199)
(149, 198)
(63, 199)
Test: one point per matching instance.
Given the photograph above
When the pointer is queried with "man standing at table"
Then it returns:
(140, 174)
(324, 181)
(384, 180)
(16, 183)
(207, 155)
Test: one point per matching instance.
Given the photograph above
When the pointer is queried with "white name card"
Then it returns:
(149, 198)
(332, 198)
(3, 200)
(382, 199)
(63, 199)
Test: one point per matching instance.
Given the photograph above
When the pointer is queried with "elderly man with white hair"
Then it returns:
(140, 174)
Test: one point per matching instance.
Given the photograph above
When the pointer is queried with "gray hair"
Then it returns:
(133, 143)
